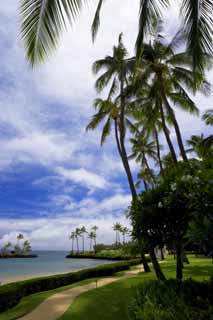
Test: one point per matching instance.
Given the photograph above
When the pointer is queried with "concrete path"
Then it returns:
(56, 305)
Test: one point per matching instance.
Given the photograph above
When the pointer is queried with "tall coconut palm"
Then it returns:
(94, 229)
(124, 231)
(142, 149)
(20, 237)
(72, 237)
(77, 235)
(115, 70)
(83, 232)
(44, 20)
(91, 236)
(117, 228)
(170, 76)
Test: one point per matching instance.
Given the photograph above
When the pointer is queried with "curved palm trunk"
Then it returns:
(145, 185)
(177, 129)
(167, 136)
(158, 151)
(150, 171)
(156, 265)
(124, 158)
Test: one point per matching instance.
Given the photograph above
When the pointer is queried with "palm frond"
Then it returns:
(96, 120)
(208, 117)
(96, 21)
(42, 24)
(198, 26)
(106, 131)
(149, 14)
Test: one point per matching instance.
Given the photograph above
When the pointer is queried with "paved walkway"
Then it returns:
(56, 305)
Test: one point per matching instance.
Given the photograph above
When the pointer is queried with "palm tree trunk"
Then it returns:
(166, 132)
(150, 171)
(72, 245)
(156, 265)
(158, 151)
(179, 265)
(177, 130)
(145, 185)
(83, 243)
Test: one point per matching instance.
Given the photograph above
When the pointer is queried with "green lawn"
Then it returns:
(111, 302)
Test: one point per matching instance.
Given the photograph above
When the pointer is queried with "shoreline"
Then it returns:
(13, 279)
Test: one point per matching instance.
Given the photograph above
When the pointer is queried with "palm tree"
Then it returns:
(19, 238)
(142, 148)
(26, 247)
(6, 248)
(77, 235)
(94, 229)
(124, 231)
(72, 237)
(116, 69)
(83, 231)
(203, 147)
(91, 236)
(117, 228)
(44, 20)
(169, 76)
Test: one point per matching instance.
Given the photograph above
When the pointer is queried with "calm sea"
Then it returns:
(48, 262)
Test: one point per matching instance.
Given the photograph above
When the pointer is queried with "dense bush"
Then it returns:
(11, 294)
(173, 300)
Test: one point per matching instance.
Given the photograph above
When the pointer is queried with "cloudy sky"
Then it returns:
(53, 175)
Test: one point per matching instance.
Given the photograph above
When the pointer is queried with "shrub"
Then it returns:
(11, 294)
(173, 300)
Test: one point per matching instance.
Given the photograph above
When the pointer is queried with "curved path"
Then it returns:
(56, 305)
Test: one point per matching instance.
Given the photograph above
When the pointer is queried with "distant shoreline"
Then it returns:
(81, 256)
(18, 256)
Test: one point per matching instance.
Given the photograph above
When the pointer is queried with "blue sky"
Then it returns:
(53, 175)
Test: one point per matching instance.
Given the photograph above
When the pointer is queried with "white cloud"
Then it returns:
(83, 177)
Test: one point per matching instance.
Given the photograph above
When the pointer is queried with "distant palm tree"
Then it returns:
(91, 236)
(26, 247)
(124, 231)
(83, 231)
(95, 228)
(20, 237)
(117, 228)
(77, 235)
(6, 248)
(72, 237)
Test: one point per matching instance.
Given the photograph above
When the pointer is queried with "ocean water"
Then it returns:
(47, 262)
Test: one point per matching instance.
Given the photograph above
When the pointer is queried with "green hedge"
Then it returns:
(173, 300)
(11, 294)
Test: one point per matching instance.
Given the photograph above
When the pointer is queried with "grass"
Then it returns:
(111, 302)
